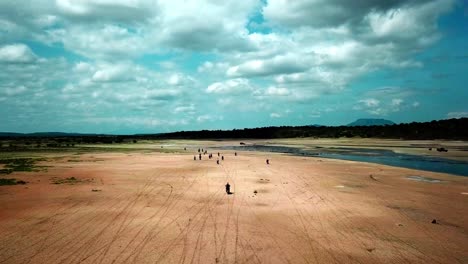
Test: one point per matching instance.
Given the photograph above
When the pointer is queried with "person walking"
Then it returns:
(228, 188)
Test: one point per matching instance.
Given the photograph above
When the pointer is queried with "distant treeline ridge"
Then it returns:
(456, 129)
(441, 129)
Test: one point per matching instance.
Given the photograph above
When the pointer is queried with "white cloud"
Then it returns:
(385, 105)
(17, 53)
(151, 122)
(190, 109)
(218, 26)
(213, 68)
(274, 91)
(281, 64)
(457, 114)
(102, 41)
(120, 10)
(370, 102)
(397, 102)
(275, 115)
(82, 67)
(179, 79)
(411, 21)
(113, 73)
(233, 86)
(9, 91)
(205, 67)
(208, 118)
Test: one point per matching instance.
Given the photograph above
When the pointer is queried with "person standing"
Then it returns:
(228, 188)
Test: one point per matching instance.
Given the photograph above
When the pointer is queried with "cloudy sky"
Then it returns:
(142, 66)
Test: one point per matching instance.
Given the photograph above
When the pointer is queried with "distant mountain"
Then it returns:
(371, 122)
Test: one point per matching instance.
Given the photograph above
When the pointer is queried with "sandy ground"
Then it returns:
(168, 208)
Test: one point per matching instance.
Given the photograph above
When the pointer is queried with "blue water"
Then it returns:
(386, 157)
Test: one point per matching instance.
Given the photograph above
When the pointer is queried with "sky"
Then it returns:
(134, 66)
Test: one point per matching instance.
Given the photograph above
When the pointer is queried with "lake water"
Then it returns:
(386, 157)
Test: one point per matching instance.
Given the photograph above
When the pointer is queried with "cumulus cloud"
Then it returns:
(180, 79)
(457, 114)
(17, 53)
(281, 64)
(321, 13)
(110, 10)
(9, 91)
(190, 109)
(103, 41)
(162, 58)
(370, 102)
(275, 115)
(404, 22)
(233, 86)
(82, 67)
(397, 102)
(384, 106)
(274, 91)
(112, 73)
(217, 26)
(209, 118)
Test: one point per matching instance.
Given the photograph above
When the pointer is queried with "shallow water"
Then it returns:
(423, 179)
(386, 157)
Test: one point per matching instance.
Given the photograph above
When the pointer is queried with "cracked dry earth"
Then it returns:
(168, 208)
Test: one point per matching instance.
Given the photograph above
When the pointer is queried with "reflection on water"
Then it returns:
(386, 157)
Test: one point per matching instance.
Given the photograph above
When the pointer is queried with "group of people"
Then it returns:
(210, 156)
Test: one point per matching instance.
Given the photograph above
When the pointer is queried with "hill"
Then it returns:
(371, 122)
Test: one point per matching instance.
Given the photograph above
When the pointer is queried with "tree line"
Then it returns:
(440, 129)
(456, 129)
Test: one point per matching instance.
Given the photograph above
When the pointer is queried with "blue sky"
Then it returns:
(131, 66)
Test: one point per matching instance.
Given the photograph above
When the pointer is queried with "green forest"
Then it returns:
(455, 129)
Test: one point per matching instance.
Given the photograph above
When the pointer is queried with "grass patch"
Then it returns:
(19, 164)
(11, 181)
(6, 171)
(69, 180)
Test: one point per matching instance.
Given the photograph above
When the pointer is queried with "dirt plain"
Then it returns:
(154, 207)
